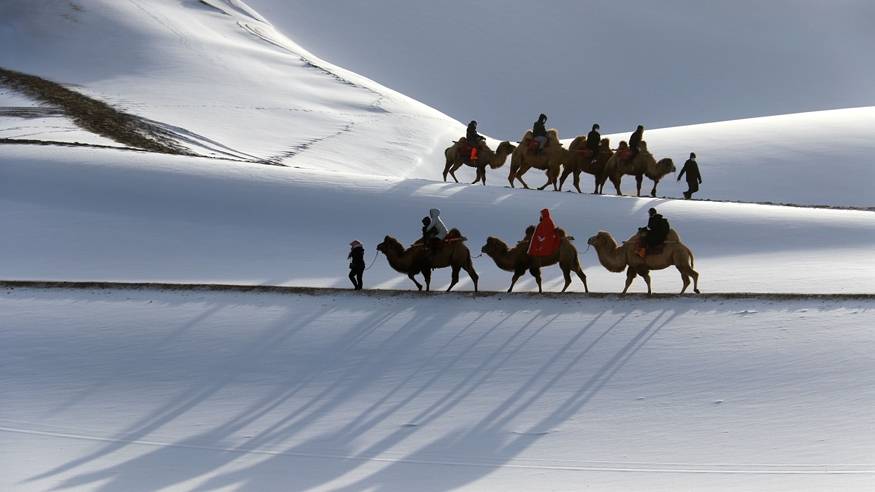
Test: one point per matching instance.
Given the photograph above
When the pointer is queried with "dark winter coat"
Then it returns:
(657, 229)
(593, 140)
(692, 171)
(472, 136)
(357, 255)
(538, 129)
(635, 140)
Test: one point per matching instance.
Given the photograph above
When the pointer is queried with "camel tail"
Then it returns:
(692, 259)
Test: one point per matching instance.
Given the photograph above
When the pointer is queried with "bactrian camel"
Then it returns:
(416, 259)
(550, 159)
(580, 160)
(642, 165)
(517, 260)
(616, 258)
(486, 157)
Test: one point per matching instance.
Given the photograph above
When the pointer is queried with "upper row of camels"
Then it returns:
(559, 162)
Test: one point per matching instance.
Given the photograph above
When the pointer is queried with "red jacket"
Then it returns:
(545, 242)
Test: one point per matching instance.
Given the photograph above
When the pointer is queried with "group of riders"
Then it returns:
(593, 140)
(543, 241)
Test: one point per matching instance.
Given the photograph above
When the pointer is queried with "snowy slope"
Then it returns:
(230, 85)
(141, 391)
(83, 214)
(225, 81)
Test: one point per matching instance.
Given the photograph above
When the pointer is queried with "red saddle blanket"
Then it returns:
(624, 154)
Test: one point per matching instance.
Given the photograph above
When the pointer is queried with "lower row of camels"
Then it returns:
(559, 162)
(615, 257)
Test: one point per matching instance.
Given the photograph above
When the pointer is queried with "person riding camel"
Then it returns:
(694, 178)
(544, 241)
(539, 131)
(474, 140)
(635, 141)
(654, 234)
(593, 141)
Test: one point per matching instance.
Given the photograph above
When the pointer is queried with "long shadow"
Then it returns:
(134, 474)
(466, 448)
(191, 396)
(86, 393)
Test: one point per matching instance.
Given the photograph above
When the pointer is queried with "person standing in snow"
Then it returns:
(544, 241)
(356, 264)
(593, 141)
(539, 131)
(694, 178)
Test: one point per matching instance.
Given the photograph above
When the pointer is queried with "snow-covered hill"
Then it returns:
(150, 390)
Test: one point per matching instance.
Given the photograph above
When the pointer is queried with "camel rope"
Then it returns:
(372, 261)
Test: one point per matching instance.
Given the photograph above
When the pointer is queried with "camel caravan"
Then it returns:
(654, 247)
(541, 149)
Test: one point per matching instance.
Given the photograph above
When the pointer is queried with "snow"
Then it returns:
(147, 390)
(142, 390)
(153, 218)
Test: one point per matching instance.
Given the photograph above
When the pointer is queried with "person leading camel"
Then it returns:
(694, 178)
(544, 241)
(593, 140)
(635, 141)
(539, 131)
(357, 264)
(655, 232)
(473, 139)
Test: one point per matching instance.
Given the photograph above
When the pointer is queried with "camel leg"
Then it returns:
(653, 191)
(646, 275)
(469, 268)
(454, 279)
(695, 275)
(519, 177)
(516, 276)
(426, 274)
(577, 181)
(638, 181)
(411, 276)
(536, 272)
(567, 275)
(616, 182)
(565, 172)
(447, 170)
(483, 176)
(630, 276)
(684, 278)
(582, 277)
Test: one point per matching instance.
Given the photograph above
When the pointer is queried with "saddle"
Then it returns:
(585, 152)
(624, 154)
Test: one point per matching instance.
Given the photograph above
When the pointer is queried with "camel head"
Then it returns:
(390, 245)
(665, 166)
(504, 149)
(601, 239)
(493, 247)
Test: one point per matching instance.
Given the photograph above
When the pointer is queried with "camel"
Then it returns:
(486, 157)
(550, 160)
(616, 257)
(416, 259)
(643, 165)
(580, 160)
(517, 260)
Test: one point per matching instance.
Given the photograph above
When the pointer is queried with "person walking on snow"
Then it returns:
(539, 131)
(593, 141)
(356, 264)
(545, 241)
(694, 177)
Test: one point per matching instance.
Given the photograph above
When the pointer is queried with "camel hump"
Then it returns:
(455, 235)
